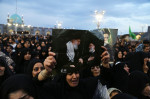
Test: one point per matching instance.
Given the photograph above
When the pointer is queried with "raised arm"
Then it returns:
(105, 58)
(49, 64)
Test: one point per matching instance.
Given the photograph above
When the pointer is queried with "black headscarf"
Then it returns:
(120, 76)
(84, 90)
(34, 54)
(119, 67)
(42, 58)
(87, 70)
(136, 60)
(15, 83)
(137, 82)
(31, 65)
(123, 96)
(7, 72)
(22, 64)
(117, 59)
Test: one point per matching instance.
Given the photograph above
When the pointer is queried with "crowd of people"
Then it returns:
(30, 68)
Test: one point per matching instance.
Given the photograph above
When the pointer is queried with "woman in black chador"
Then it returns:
(120, 76)
(70, 85)
(5, 71)
(118, 57)
(18, 87)
(35, 66)
(139, 85)
(22, 64)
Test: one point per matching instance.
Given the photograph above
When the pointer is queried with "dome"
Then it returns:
(15, 18)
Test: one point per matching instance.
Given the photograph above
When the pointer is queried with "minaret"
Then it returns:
(16, 6)
(22, 20)
(8, 18)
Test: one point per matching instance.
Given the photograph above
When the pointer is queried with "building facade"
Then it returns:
(15, 25)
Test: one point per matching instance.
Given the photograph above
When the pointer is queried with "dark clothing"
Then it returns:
(117, 59)
(137, 82)
(31, 66)
(89, 54)
(7, 72)
(22, 68)
(61, 90)
(135, 61)
(43, 57)
(11, 55)
(16, 83)
(106, 76)
(22, 64)
(120, 77)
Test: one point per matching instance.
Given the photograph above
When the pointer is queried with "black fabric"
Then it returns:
(43, 57)
(31, 65)
(86, 68)
(124, 96)
(15, 83)
(137, 82)
(135, 60)
(117, 59)
(34, 54)
(7, 72)
(22, 65)
(120, 77)
(61, 90)
(107, 76)
(123, 48)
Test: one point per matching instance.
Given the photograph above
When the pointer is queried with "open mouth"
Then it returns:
(74, 81)
(96, 71)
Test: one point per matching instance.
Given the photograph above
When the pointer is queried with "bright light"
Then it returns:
(29, 25)
(59, 25)
(9, 24)
(16, 24)
(22, 25)
(98, 17)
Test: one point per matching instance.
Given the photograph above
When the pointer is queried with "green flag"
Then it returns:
(131, 34)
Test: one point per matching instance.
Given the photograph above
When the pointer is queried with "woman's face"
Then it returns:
(95, 71)
(19, 94)
(19, 45)
(27, 44)
(146, 91)
(27, 56)
(39, 48)
(43, 53)
(119, 54)
(38, 67)
(72, 79)
(125, 52)
(2, 70)
(43, 44)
